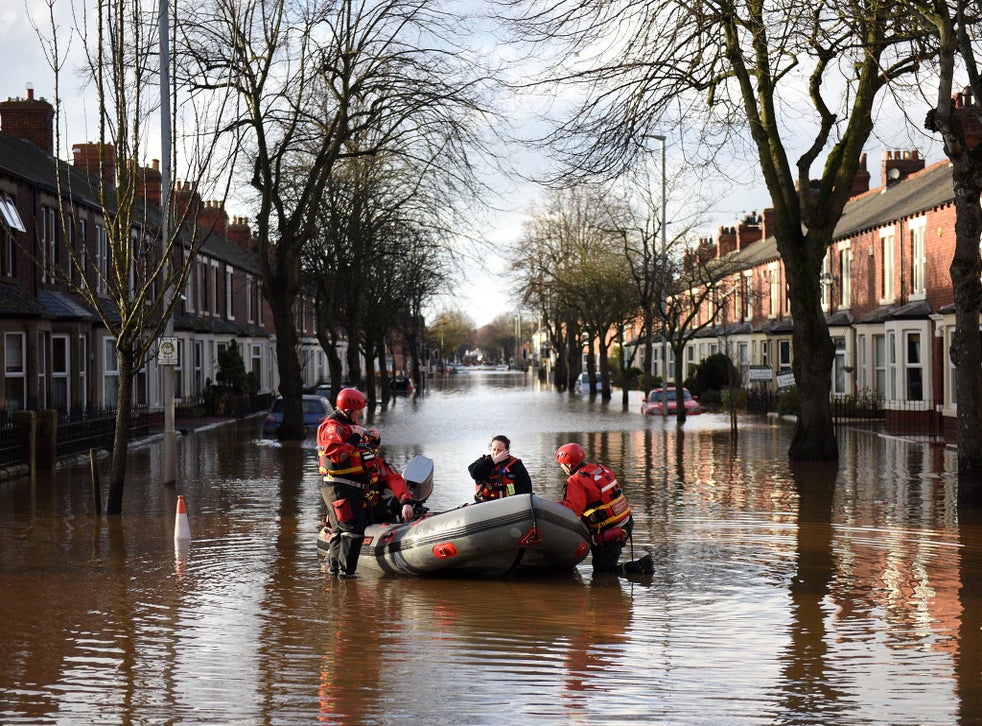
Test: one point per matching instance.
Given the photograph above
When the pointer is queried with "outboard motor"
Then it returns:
(419, 477)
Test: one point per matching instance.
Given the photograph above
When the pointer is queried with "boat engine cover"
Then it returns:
(419, 477)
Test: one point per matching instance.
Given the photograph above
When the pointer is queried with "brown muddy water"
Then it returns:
(806, 595)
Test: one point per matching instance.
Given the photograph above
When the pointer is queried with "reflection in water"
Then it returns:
(780, 595)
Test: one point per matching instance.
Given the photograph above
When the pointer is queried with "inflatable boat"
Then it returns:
(520, 533)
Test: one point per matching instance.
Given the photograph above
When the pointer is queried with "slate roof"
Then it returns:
(15, 303)
(919, 192)
(61, 306)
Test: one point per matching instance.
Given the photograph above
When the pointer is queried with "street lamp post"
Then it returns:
(167, 379)
(664, 296)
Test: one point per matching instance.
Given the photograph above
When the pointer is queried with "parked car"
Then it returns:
(401, 384)
(315, 409)
(323, 390)
(652, 404)
(583, 382)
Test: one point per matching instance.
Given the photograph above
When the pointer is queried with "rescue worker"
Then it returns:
(499, 474)
(355, 478)
(592, 492)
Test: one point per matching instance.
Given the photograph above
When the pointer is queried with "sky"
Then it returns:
(482, 291)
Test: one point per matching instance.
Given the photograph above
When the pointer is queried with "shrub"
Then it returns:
(712, 373)
(787, 404)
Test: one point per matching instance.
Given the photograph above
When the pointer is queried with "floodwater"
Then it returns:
(805, 595)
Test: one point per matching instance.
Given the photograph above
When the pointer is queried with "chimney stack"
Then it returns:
(966, 111)
(96, 160)
(29, 120)
(860, 184)
(897, 166)
(238, 231)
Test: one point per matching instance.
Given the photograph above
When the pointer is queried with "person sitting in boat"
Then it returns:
(499, 474)
(355, 478)
(592, 492)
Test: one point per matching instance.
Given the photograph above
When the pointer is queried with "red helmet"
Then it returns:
(570, 454)
(351, 399)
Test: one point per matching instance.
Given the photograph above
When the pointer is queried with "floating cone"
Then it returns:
(182, 531)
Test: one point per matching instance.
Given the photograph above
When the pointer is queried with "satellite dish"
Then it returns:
(893, 174)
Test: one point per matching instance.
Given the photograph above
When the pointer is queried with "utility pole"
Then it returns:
(664, 291)
(167, 371)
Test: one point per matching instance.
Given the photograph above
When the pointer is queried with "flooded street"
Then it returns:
(849, 594)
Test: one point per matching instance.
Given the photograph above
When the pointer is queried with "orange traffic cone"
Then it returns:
(182, 531)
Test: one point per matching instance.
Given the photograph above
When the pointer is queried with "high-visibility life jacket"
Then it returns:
(606, 504)
(499, 483)
(359, 465)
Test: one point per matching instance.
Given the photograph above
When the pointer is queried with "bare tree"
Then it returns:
(960, 125)
(311, 75)
(129, 277)
(569, 250)
(724, 68)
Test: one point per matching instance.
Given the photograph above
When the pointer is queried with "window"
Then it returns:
(259, 302)
(886, 289)
(48, 248)
(15, 370)
(7, 243)
(6, 253)
(8, 209)
(60, 398)
(250, 302)
(213, 288)
(201, 296)
(257, 361)
(765, 358)
(784, 353)
(43, 339)
(198, 368)
(861, 372)
(917, 257)
(845, 275)
(179, 371)
(83, 368)
(952, 390)
(229, 310)
(826, 281)
(110, 377)
(773, 299)
(101, 258)
(892, 365)
(748, 295)
(839, 367)
(914, 367)
(80, 241)
(879, 365)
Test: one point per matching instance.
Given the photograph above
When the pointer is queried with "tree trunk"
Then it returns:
(337, 371)
(965, 352)
(383, 372)
(370, 372)
(680, 412)
(354, 358)
(288, 364)
(649, 349)
(121, 438)
(573, 359)
(814, 433)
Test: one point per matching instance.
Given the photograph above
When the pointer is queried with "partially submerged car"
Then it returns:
(315, 409)
(402, 384)
(652, 405)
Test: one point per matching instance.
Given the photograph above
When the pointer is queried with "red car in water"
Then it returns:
(652, 405)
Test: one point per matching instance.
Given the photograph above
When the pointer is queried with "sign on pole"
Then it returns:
(167, 353)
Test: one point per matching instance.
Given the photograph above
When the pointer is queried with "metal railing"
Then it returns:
(96, 429)
(866, 411)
